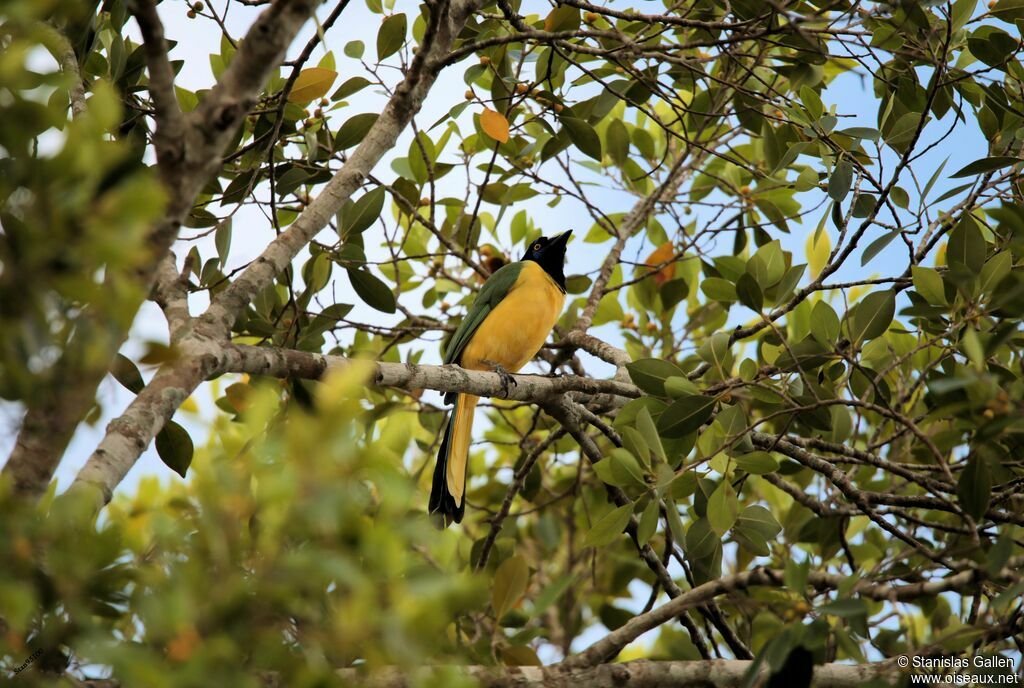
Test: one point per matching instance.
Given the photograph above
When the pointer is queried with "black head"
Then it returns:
(550, 255)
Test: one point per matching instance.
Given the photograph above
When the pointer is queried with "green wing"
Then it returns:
(491, 294)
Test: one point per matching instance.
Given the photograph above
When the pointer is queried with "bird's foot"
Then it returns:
(507, 380)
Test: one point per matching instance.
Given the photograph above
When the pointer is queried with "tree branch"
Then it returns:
(635, 674)
(614, 642)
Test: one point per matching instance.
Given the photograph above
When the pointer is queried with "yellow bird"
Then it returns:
(504, 329)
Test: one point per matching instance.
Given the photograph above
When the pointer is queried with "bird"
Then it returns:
(504, 328)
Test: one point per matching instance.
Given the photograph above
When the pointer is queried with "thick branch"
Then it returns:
(275, 362)
(170, 123)
(614, 642)
(717, 673)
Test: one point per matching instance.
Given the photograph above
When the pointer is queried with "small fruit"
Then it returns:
(591, 17)
(522, 88)
(652, 326)
(470, 95)
(744, 190)
(198, 6)
(558, 107)
(191, 14)
(324, 102)
(484, 60)
(445, 306)
(424, 201)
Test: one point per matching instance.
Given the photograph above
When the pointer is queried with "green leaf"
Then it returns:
(391, 35)
(812, 102)
(723, 508)
(718, 289)
(645, 425)
(685, 415)
(625, 469)
(768, 264)
(174, 447)
(974, 487)
(861, 133)
(704, 548)
(841, 180)
(222, 239)
(825, 326)
(357, 217)
(372, 290)
(1009, 11)
(608, 527)
(354, 130)
(754, 527)
(715, 350)
(985, 165)
(928, 283)
(617, 137)
(757, 463)
(551, 594)
(562, 18)
(351, 86)
(583, 136)
(648, 522)
(900, 197)
(901, 133)
(872, 315)
(995, 271)
(355, 49)
(509, 585)
(876, 246)
(649, 374)
(749, 292)
(125, 372)
(966, 245)
(845, 608)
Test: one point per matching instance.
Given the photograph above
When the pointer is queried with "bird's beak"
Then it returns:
(561, 240)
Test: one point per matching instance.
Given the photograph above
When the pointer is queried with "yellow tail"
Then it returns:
(458, 451)
(449, 486)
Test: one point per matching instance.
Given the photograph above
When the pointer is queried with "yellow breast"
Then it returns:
(518, 327)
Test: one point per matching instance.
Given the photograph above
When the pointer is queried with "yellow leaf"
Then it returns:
(311, 84)
(494, 125)
(818, 248)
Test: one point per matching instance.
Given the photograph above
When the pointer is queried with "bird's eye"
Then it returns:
(536, 247)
